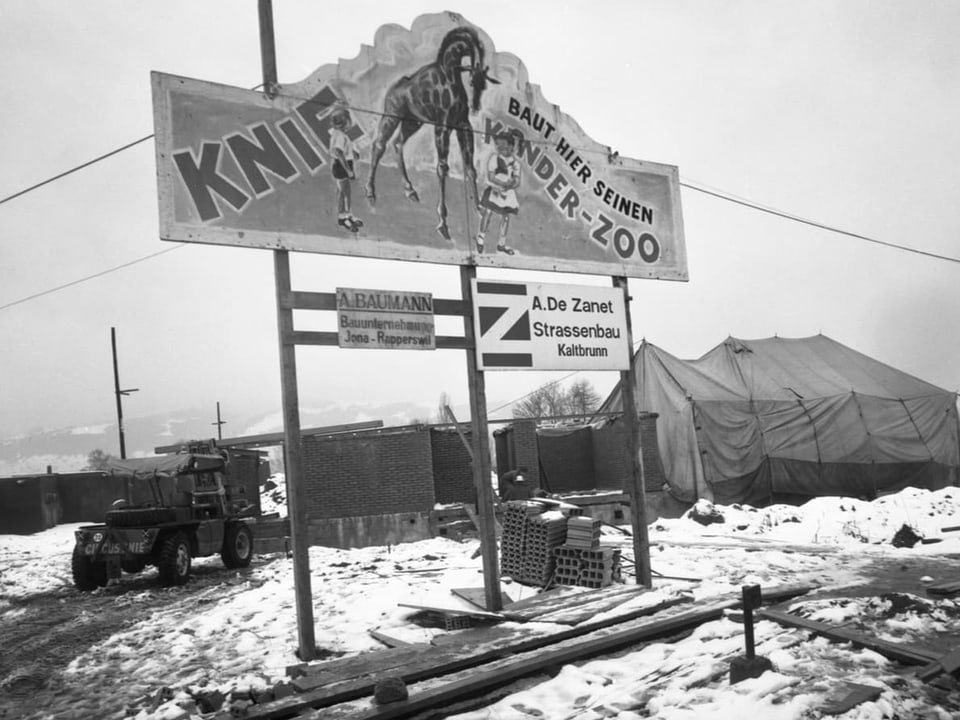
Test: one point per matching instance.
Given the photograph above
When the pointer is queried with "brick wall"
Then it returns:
(452, 468)
(526, 448)
(653, 475)
(368, 474)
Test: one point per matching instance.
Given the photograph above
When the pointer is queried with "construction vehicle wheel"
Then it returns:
(174, 561)
(237, 546)
(87, 574)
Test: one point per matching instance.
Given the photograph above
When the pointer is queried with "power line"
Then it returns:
(90, 277)
(814, 223)
(75, 169)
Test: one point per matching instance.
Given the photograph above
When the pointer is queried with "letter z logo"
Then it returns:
(502, 325)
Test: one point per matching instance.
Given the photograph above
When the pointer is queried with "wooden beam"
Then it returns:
(276, 438)
(463, 654)
(949, 663)
(510, 669)
(320, 337)
(298, 300)
(480, 442)
(909, 654)
(631, 420)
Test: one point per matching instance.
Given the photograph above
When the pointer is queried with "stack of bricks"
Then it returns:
(515, 516)
(583, 532)
(528, 541)
(544, 535)
(594, 568)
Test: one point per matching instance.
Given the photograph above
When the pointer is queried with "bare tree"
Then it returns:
(546, 400)
(441, 404)
(551, 400)
(98, 460)
(582, 399)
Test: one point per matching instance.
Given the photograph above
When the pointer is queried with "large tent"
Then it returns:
(782, 420)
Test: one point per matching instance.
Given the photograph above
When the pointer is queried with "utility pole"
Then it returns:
(296, 502)
(219, 423)
(118, 392)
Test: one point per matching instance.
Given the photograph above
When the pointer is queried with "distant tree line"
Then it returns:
(553, 399)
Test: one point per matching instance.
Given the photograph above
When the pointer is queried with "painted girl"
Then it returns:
(500, 197)
(344, 155)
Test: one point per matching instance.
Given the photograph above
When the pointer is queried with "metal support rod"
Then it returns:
(638, 498)
(293, 465)
(481, 452)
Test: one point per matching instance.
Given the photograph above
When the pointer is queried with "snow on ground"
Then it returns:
(242, 633)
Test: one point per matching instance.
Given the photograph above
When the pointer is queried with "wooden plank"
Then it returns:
(477, 596)
(299, 300)
(448, 610)
(368, 663)
(945, 588)
(910, 654)
(322, 337)
(465, 654)
(572, 604)
(549, 601)
(949, 663)
(852, 694)
(276, 438)
(576, 615)
(388, 640)
(531, 663)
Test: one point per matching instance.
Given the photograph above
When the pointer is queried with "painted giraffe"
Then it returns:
(435, 95)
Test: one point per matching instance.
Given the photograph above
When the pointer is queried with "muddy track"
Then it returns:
(41, 634)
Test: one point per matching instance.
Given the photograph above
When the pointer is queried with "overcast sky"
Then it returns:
(844, 113)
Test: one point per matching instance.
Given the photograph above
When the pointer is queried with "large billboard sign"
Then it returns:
(430, 146)
(540, 326)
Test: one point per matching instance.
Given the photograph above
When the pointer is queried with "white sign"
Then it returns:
(385, 319)
(536, 326)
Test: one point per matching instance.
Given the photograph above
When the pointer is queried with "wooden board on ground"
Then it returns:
(454, 610)
(548, 602)
(848, 696)
(945, 588)
(512, 668)
(580, 613)
(910, 654)
(949, 664)
(352, 678)
(388, 640)
(478, 596)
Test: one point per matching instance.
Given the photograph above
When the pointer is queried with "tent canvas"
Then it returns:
(782, 420)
